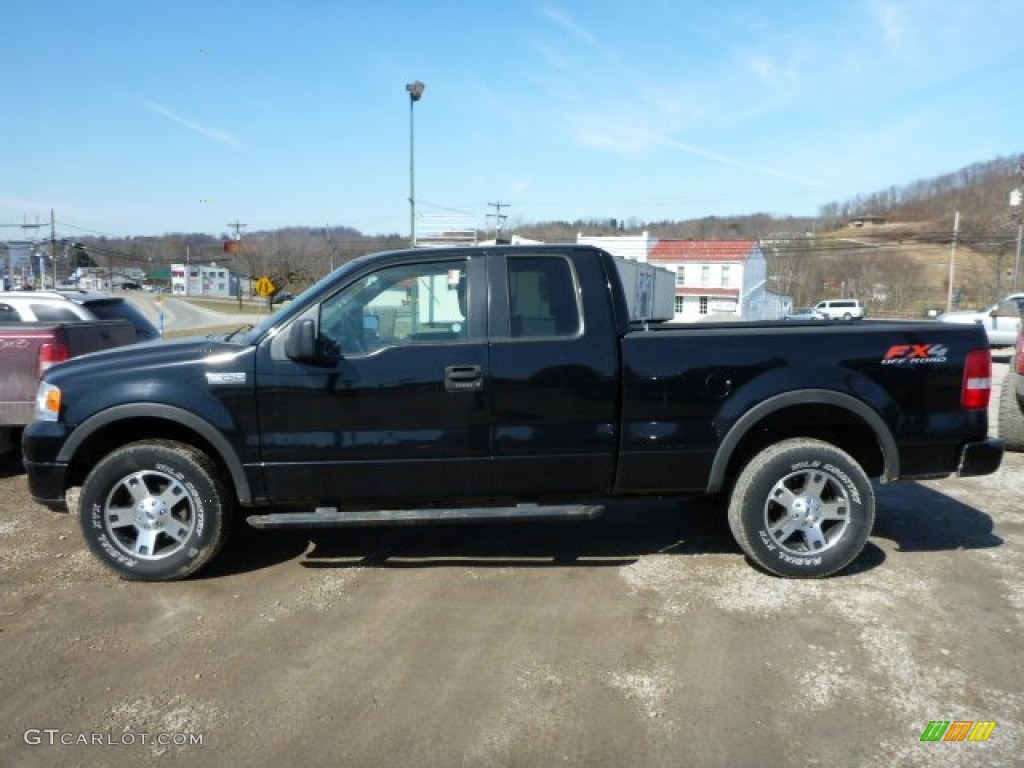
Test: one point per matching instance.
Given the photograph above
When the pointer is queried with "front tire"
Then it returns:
(802, 509)
(155, 511)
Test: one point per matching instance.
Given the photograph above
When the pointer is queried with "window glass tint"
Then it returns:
(8, 314)
(122, 310)
(542, 297)
(50, 313)
(404, 304)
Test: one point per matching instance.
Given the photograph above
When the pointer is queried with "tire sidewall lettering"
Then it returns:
(198, 484)
(753, 531)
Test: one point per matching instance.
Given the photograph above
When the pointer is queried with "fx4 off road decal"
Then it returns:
(916, 354)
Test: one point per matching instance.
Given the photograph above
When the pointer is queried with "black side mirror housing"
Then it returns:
(301, 342)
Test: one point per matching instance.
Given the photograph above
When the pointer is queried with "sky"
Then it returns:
(140, 118)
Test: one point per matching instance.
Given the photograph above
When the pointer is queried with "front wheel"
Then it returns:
(802, 509)
(155, 511)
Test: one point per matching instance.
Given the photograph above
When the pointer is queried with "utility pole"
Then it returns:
(53, 251)
(952, 260)
(237, 225)
(499, 219)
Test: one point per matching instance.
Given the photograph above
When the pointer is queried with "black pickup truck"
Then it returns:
(470, 384)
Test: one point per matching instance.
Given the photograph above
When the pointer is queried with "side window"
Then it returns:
(8, 314)
(404, 304)
(1009, 308)
(542, 297)
(47, 313)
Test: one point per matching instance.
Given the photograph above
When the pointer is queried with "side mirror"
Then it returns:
(301, 342)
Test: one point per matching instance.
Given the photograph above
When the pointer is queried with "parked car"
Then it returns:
(1001, 321)
(503, 383)
(1011, 399)
(29, 349)
(69, 306)
(841, 309)
(805, 313)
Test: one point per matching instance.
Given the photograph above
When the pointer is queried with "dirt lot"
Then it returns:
(640, 639)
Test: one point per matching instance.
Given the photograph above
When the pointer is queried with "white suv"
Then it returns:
(841, 309)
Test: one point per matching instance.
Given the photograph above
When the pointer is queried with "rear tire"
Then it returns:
(155, 510)
(1011, 418)
(802, 509)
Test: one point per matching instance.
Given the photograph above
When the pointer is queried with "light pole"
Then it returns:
(415, 90)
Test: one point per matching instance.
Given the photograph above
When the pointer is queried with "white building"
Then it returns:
(203, 280)
(714, 278)
(632, 247)
(717, 277)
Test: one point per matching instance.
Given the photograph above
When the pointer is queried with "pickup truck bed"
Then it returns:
(496, 383)
(27, 350)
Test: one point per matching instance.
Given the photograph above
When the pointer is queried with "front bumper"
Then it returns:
(40, 449)
(980, 458)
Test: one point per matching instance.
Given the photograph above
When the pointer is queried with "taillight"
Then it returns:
(977, 388)
(1020, 350)
(51, 354)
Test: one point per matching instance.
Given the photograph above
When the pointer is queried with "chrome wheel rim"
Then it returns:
(149, 515)
(807, 512)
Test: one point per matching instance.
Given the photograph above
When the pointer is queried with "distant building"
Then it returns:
(203, 280)
(17, 267)
(869, 219)
(716, 277)
(723, 278)
(632, 247)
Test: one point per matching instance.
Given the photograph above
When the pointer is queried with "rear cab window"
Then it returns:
(122, 310)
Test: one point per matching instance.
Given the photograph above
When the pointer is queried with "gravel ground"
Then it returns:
(640, 639)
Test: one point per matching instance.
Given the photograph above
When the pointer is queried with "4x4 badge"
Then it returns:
(915, 354)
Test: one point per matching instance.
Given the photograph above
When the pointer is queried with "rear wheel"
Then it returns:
(155, 511)
(802, 509)
(1011, 419)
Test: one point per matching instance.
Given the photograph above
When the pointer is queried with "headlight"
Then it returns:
(47, 402)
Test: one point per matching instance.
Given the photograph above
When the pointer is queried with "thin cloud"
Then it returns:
(211, 133)
(569, 25)
(736, 162)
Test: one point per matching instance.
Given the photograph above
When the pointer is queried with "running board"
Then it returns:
(330, 517)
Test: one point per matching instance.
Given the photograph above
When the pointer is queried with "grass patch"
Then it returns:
(202, 331)
(227, 306)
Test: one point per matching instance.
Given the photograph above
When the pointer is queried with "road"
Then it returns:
(182, 315)
(640, 639)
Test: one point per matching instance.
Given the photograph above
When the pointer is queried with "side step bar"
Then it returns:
(330, 517)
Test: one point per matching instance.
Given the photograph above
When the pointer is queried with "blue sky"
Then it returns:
(144, 118)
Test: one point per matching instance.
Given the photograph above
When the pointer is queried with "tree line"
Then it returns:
(809, 257)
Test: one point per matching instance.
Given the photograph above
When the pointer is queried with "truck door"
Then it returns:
(553, 374)
(393, 406)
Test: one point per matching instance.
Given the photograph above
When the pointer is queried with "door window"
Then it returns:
(403, 304)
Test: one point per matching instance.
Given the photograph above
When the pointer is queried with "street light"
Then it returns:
(415, 90)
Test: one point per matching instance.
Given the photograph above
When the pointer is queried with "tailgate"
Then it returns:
(93, 336)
